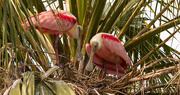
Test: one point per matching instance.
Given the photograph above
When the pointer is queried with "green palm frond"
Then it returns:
(137, 23)
(31, 84)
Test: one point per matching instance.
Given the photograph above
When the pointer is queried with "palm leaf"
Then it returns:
(137, 23)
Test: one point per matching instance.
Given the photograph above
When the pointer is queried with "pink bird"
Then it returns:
(107, 52)
(57, 23)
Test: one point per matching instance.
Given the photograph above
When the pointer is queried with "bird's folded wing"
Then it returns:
(59, 20)
(115, 46)
(111, 68)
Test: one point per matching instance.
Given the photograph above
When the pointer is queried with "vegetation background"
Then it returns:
(137, 23)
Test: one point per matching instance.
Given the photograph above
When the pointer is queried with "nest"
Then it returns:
(93, 83)
(133, 82)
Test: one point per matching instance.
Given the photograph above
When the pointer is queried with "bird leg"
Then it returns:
(104, 72)
(69, 73)
(55, 45)
(117, 67)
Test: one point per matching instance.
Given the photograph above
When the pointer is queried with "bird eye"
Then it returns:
(96, 45)
(79, 27)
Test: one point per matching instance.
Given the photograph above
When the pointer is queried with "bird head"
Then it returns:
(75, 32)
(96, 44)
(94, 48)
(78, 31)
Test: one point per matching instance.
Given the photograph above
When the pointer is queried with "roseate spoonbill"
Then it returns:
(107, 52)
(57, 23)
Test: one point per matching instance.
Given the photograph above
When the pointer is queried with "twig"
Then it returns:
(96, 91)
(153, 87)
(130, 74)
(152, 74)
(153, 63)
(155, 18)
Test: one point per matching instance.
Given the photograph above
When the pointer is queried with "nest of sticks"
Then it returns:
(133, 82)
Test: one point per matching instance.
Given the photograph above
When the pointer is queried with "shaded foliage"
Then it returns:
(126, 19)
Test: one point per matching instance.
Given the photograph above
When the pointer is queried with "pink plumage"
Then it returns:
(56, 22)
(110, 47)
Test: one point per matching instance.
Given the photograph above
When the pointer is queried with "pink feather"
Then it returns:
(51, 24)
(111, 48)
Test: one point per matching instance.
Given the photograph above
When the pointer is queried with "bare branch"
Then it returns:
(157, 74)
(154, 87)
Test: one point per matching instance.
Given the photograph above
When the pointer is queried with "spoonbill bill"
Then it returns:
(107, 52)
(57, 22)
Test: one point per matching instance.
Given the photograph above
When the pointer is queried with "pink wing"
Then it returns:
(111, 68)
(48, 22)
(115, 46)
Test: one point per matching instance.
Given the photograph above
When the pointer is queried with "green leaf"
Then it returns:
(137, 40)
(48, 72)
(81, 6)
(114, 16)
(15, 88)
(93, 24)
(60, 87)
(28, 85)
(42, 89)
